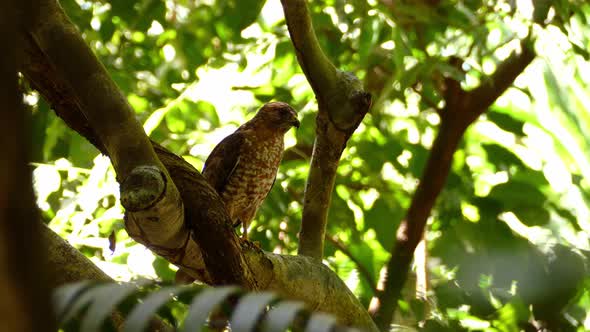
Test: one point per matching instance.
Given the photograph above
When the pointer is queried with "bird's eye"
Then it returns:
(285, 112)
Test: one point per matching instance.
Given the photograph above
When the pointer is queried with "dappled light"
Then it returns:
(493, 95)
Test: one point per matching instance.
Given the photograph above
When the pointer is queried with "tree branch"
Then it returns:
(342, 105)
(484, 96)
(320, 72)
(461, 110)
(153, 205)
(66, 265)
(112, 118)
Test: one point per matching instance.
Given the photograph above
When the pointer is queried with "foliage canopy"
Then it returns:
(510, 228)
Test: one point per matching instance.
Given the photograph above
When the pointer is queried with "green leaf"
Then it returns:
(340, 213)
(532, 215)
(237, 15)
(500, 156)
(184, 115)
(370, 30)
(516, 193)
(567, 215)
(506, 122)
(163, 270)
(384, 217)
(124, 9)
(104, 303)
(532, 177)
(541, 8)
(418, 160)
(524, 200)
(150, 10)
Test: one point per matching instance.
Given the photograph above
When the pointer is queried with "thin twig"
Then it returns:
(360, 266)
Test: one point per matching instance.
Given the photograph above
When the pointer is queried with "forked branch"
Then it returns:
(154, 208)
(342, 105)
(461, 110)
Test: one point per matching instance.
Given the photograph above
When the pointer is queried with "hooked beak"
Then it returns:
(296, 123)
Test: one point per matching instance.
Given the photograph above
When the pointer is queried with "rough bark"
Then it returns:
(342, 104)
(66, 264)
(461, 110)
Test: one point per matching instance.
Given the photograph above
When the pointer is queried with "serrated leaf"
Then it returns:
(139, 318)
(104, 304)
(281, 316)
(204, 304)
(83, 301)
(320, 322)
(64, 297)
(249, 310)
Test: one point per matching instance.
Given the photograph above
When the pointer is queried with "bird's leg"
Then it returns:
(244, 231)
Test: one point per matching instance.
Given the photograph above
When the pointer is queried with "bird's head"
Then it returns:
(277, 115)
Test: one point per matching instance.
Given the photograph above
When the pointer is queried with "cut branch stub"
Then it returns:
(143, 187)
(347, 104)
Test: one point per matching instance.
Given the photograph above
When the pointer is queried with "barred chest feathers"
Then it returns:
(263, 160)
(254, 176)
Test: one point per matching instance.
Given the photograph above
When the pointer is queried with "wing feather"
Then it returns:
(223, 161)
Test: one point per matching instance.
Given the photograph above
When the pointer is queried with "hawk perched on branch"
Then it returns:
(243, 166)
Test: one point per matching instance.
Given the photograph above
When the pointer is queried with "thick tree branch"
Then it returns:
(462, 109)
(66, 265)
(112, 118)
(484, 96)
(152, 202)
(320, 72)
(410, 230)
(342, 105)
(146, 190)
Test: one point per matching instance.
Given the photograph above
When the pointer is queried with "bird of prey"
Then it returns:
(243, 166)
